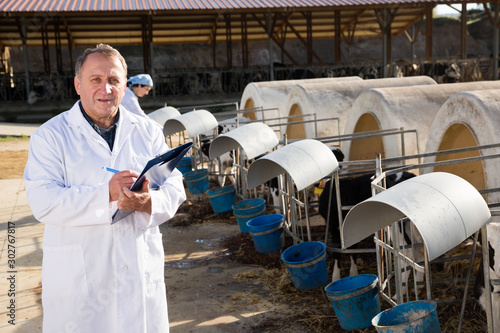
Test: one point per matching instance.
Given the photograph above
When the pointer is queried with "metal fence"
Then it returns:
(57, 87)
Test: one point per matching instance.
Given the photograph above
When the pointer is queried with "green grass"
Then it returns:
(11, 138)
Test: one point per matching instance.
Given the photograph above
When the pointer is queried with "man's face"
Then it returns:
(101, 87)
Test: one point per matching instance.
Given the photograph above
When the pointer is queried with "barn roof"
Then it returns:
(183, 5)
(131, 22)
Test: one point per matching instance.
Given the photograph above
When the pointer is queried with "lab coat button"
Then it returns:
(124, 268)
(122, 230)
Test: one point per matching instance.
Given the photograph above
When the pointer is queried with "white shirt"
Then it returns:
(131, 102)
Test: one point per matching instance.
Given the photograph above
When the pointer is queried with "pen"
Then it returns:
(111, 170)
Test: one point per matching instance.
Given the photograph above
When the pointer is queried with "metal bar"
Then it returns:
(349, 251)
(448, 162)
(329, 205)
(397, 267)
(306, 209)
(339, 209)
(428, 279)
(469, 272)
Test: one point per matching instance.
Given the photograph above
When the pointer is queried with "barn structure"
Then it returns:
(229, 28)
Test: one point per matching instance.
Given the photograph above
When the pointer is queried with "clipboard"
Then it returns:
(157, 170)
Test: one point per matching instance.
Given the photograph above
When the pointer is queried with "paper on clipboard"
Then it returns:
(156, 170)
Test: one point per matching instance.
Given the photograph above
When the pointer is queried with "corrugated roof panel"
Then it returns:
(9, 3)
(198, 4)
(140, 5)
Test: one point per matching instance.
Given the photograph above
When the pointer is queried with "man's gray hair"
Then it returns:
(103, 49)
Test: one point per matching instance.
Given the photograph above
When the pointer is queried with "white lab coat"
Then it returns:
(98, 277)
(131, 102)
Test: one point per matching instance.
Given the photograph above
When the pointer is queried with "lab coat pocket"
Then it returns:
(155, 259)
(63, 271)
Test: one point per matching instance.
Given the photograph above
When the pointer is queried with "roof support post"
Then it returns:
(281, 44)
(213, 40)
(214, 53)
(412, 41)
(57, 38)
(22, 24)
(45, 48)
(338, 38)
(463, 32)
(270, 28)
(229, 49)
(70, 46)
(428, 32)
(384, 18)
(307, 45)
(309, 38)
(244, 41)
(147, 40)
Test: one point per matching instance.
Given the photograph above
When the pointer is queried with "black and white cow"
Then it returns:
(493, 230)
(353, 190)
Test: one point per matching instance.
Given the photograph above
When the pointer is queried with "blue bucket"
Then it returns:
(185, 165)
(355, 300)
(267, 232)
(246, 210)
(306, 263)
(222, 198)
(197, 181)
(417, 316)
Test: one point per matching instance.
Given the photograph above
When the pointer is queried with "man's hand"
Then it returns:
(138, 201)
(120, 180)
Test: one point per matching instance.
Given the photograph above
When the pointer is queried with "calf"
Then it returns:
(493, 230)
(352, 191)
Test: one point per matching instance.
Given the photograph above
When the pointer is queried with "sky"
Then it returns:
(446, 10)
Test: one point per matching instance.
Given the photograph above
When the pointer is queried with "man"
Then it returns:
(98, 276)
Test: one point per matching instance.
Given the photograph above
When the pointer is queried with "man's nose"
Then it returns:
(106, 88)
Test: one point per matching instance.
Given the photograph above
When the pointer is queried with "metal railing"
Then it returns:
(181, 82)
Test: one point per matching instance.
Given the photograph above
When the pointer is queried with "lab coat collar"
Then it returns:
(126, 125)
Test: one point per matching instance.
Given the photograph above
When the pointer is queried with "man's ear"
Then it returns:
(77, 85)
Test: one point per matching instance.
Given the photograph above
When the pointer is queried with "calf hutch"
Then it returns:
(194, 123)
(468, 119)
(163, 114)
(409, 108)
(270, 95)
(332, 99)
(444, 210)
(248, 142)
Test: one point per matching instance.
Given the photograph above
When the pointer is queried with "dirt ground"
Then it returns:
(217, 281)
